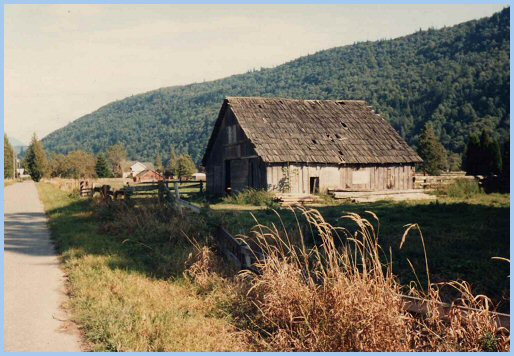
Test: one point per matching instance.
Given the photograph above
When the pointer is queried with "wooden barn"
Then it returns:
(305, 146)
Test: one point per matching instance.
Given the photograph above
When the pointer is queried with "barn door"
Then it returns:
(390, 179)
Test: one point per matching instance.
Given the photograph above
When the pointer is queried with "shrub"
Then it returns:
(251, 197)
(462, 188)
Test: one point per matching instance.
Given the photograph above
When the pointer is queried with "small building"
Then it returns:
(199, 176)
(305, 146)
(148, 176)
(131, 169)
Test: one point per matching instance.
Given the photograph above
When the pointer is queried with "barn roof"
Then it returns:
(316, 131)
(146, 171)
(126, 165)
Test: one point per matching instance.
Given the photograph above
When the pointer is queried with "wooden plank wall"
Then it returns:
(388, 177)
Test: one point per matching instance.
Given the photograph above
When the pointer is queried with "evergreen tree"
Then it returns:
(8, 158)
(472, 156)
(158, 162)
(505, 173)
(172, 164)
(102, 167)
(36, 162)
(432, 152)
(185, 166)
(492, 158)
(482, 155)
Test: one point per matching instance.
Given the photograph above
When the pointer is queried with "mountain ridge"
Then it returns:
(455, 77)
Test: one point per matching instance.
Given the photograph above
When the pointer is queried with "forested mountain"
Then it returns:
(457, 78)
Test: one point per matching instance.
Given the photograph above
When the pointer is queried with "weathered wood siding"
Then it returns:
(296, 178)
(232, 147)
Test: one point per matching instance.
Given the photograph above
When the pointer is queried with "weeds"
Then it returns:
(461, 188)
(340, 296)
(251, 197)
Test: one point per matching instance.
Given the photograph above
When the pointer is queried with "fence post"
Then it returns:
(177, 194)
(201, 187)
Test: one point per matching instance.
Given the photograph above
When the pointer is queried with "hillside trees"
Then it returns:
(9, 155)
(457, 78)
(435, 159)
(36, 162)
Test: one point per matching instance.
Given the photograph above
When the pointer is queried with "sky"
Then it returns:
(64, 61)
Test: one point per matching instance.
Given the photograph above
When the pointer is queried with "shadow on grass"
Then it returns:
(78, 231)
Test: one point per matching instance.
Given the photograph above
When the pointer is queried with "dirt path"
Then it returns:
(33, 282)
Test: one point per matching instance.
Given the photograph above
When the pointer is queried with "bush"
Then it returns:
(462, 188)
(251, 197)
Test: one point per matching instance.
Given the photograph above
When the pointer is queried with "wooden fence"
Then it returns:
(433, 182)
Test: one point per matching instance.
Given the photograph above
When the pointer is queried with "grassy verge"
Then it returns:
(128, 295)
(461, 235)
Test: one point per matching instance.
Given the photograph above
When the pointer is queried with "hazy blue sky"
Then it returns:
(64, 61)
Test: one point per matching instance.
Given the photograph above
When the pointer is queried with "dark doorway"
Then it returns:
(314, 185)
(228, 184)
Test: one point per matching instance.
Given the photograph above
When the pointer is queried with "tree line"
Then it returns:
(81, 164)
(483, 155)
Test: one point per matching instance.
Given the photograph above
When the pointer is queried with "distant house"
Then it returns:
(305, 146)
(130, 169)
(199, 176)
(148, 175)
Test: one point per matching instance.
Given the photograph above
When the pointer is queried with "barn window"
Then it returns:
(231, 134)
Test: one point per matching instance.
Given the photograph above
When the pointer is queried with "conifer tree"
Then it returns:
(432, 152)
(505, 173)
(472, 156)
(8, 158)
(158, 162)
(35, 161)
(102, 167)
(492, 161)
(172, 164)
(482, 155)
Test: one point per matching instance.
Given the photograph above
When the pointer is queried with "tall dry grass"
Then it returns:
(341, 296)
